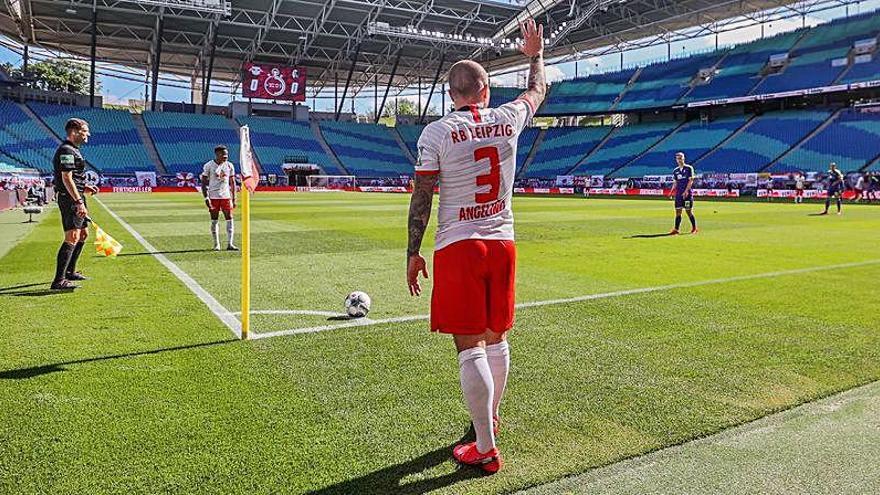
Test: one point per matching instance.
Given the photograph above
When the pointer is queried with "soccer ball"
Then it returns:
(357, 304)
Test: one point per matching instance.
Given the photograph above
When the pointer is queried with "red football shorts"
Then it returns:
(224, 205)
(474, 287)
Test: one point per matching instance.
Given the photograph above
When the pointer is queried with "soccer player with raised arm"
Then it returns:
(682, 191)
(471, 154)
(835, 188)
(218, 188)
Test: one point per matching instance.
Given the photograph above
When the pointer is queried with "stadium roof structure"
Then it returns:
(336, 42)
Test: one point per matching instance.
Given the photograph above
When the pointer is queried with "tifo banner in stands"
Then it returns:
(273, 82)
(715, 193)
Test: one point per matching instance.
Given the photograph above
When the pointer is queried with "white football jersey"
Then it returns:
(218, 179)
(474, 152)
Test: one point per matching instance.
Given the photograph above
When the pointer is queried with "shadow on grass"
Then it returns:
(37, 292)
(21, 286)
(817, 214)
(34, 371)
(649, 236)
(182, 251)
(388, 480)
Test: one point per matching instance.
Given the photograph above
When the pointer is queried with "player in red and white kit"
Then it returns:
(471, 153)
(218, 188)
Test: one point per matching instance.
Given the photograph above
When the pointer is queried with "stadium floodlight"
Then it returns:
(210, 6)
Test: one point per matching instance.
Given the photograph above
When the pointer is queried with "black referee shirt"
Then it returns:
(69, 159)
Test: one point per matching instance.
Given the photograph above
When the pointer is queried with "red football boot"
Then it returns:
(467, 453)
(695, 230)
(673, 232)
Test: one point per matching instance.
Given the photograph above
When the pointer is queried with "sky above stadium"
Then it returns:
(119, 88)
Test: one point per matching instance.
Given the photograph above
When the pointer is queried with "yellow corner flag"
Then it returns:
(105, 244)
(250, 176)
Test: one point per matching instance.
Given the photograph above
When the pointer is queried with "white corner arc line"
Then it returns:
(306, 312)
(213, 304)
(588, 297)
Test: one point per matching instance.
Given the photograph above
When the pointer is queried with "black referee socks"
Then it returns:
(71, 265)
(64, 254)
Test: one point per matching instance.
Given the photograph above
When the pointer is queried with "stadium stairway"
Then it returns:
(647, 150)
(629, 85)
(532, 152)
(148, 143)
(593, 151)
(691, 87)
(803, 140)
(403, 147)
(728, 139)
(34, 117)
(316, 130)
(760, 82)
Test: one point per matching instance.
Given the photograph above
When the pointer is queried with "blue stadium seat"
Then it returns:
(763, 141)
(694, 139)
(366, 150)
(24, 140)
(591, 94)
(562, 148)
(663, 84)
(185, 141)
(114, 146)
(275, 139)
(410, 135)
(850, 141)
(626, 144)
(499, 95)
(867, 71)
(524, 145)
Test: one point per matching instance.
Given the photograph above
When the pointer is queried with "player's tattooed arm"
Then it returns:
(533, 47)
(420, 211)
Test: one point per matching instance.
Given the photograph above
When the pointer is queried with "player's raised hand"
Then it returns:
(414, 266)
(533, 38)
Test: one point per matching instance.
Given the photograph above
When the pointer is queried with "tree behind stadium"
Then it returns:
(63, 76)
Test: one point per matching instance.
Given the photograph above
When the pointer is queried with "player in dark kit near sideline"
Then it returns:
(835, 188)
(682, 192)
(471, 154)
(70, 182)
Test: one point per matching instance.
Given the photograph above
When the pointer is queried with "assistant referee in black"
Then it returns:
(70, 184)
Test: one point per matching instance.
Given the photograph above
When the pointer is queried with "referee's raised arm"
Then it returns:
(69, 171)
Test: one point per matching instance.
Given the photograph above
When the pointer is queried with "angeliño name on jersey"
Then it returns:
(474, 151)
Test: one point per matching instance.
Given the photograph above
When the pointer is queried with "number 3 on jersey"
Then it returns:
(493, 178)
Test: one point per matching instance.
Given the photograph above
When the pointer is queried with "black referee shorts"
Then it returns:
(69, 219)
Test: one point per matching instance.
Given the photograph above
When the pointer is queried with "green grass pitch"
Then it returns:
(132, 385)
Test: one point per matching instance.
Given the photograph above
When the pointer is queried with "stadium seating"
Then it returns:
(24, 140)
(850, 141)
(114, 146)
(739, 71)
(276, 139)
(562, 148)
(861, 72)
(694, 139)
(663, 84)
(524, 145)
(366, 150)
(185, 141)
(625, 144)
(499, 95)
(762, 141)
(410, 135)
(592, 94)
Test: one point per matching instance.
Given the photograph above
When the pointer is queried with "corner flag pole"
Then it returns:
(249, 178)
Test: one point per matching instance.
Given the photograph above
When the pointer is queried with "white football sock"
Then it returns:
(230, 231)
(477, 387)
(498, 356)
(215, 234)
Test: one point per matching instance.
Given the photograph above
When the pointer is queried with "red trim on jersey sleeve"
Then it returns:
(427, 172)
(475, 113)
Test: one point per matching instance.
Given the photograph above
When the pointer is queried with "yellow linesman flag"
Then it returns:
(104, 244)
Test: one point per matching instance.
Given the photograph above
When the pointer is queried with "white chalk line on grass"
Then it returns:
(588, 297)
(213, 304)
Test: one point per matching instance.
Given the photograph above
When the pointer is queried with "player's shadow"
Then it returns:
(388, 480)
(649, 236)
(36, 292)
(816, 214)
(181, 251)
(45, 369)
(19, 287)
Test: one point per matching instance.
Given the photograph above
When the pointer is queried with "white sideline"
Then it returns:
(213, 304)
(589, 297)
